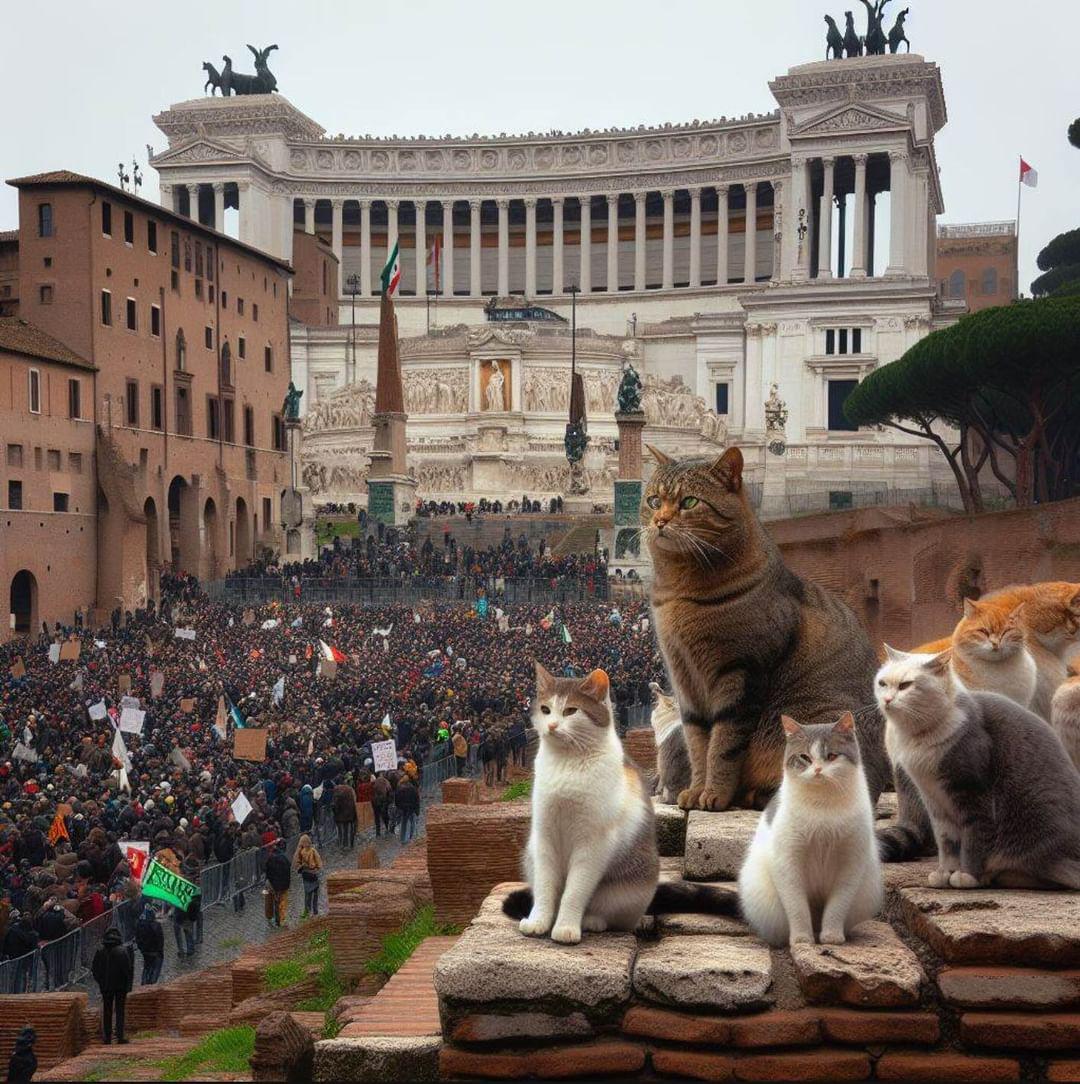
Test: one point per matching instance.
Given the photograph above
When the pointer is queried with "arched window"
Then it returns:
(226, 365)
(181, 351)
(989, 281)
(958, 285)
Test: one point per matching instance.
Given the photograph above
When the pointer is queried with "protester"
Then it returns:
(344, 802)
(22, 1065)
(112, 970)
(407, 802)
(150, 941)
(278, 879)
(307, 864)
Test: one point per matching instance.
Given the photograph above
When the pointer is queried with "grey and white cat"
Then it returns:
(1002, 794)
(672, 756)
(813, 871)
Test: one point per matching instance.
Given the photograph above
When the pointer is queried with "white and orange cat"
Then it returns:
(990, 653)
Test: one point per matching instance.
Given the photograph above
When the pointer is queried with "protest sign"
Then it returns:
(70, 651)
(130, 702)
(163, 884)
(136, 854)
(24, 752)
(124, 683)
(97, 711)
(131, 720)
(327, 669)
(187, 705)
(249, 744)
(178, 758)
(18, 669)
(241, 808)
(249, 617)
(119, 750)
(184, 634)
(54, 653)
(157, 683)
(384, 755)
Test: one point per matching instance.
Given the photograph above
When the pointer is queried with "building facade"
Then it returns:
(187, 330)
(795, 249)
(977, 263)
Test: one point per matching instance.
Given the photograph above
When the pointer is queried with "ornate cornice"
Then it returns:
(252, 114)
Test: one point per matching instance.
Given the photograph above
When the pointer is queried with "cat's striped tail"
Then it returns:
(671, 897)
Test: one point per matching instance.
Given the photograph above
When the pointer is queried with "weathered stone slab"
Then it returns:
(997, 926)
(907, 874)
(378, 1061)
(729, 974)
(716, 843)
(874, 969)
(716, 925)
(492, 1027)
(670, 829)
(1009, 988)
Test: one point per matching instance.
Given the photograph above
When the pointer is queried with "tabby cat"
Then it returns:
(672, 759)
(745, 639)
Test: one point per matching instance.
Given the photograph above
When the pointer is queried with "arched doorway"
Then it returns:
(176, 494)
(153, 549)
(24, 602)
(243, 533)
(210, 528)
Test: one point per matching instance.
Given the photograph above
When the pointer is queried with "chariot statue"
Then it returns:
(230, 82)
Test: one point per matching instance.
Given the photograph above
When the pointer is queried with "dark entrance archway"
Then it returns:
(153, 549)
(24, 602)
(176, 501)
(243, 533)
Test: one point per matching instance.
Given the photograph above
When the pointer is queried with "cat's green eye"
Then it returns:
(687, 503)
(653, 501)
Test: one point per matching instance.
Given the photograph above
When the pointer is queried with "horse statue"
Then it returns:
(233, 82)
(876, 40)
(834, 40)
(213, 79)
(897, 35)
(262, 72)
(852, 41)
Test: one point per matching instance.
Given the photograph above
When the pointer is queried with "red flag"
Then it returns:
(1028, 175)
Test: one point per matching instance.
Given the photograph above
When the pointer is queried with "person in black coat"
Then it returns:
(278, 879)
(22, 1065)
(19, 943)
(150, 941)
(407, 802)
(113, 971)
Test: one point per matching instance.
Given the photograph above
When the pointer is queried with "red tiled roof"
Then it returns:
(21, 337)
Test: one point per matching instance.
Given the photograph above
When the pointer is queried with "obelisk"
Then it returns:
(391, 492)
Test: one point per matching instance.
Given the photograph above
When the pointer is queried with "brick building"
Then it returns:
(977, 263)
(186, 333)
(9, 272)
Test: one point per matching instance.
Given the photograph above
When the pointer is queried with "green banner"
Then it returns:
(163, 884)
(627, 503)
(380, 505)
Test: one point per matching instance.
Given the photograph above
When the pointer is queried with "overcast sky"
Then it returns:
(84, 78)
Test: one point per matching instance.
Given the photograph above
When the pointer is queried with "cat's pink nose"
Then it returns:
(552, 727)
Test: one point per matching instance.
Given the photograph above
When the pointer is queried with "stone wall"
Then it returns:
(57, 1019)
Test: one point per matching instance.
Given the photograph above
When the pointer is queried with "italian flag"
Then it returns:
(1028, 175)
(329, 652)
(391, 273)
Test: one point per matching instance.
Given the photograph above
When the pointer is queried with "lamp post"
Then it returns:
(353, 283)
(576, 439)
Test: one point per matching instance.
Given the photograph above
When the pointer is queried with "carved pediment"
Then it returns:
(197, 150)
(851, 118)
(507, 336)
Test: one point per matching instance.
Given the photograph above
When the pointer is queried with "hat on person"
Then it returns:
(183, 822)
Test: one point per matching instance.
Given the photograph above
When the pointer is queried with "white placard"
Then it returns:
(24, 752)
(99, 644)
(131, 720)
(98, 711)
(54, 652)
(384, 755)
(271, 623)
(119, 750)
(184, 634)
(130, 702)
(241, 808)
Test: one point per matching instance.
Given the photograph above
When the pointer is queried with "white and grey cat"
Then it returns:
(591, 859)
(1002, 794)
(672, 756)
(813, 871)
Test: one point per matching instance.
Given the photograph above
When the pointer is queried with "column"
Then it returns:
(530, 248)
(167, 196)
(446, 272)
(778, 231)
(613, 243)
(668, 279)
(365, 247)
(420, 238)
(898, 188)
(799, 206)
(243, 206)
(557, 245)
(858, 239)
(309, 216)
(585, 244)
(219, 206)
(336, 208)
(391, 226)
(750, 238)
(504, 246)
(193, 202)
(721, 235)
(825, 222)
(474, 247)
(640, 240)
(695, 237)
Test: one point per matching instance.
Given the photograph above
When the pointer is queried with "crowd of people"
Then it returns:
(446, 683)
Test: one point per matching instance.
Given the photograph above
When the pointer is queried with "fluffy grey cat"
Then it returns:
(1002, 794)
(672, 757)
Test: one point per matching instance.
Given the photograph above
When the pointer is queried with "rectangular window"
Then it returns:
(35, 391)
(277, 429)
(44, 219)
(157, 407)
(224, 299)
(839, 390)
(241, 347)
(198, 259)
(132, 314)
(722, 393)
(210, 264)
(37, 458)
(53, 459)
(14, 455)
(59, 502)
(131, 403)
(14, 495)
(856, 340)
(129, 228)
(151, 237)
(106, 219)
(75, 462)
(45, 294)
(268, 513)
(843, 340)
(106, 308)
(213, 417)
(208, 337)
(240, 306)
(155, 321)
(174, 247)
(268, 359)
(74, 398)
(174, 277)
(249, 429)
(183, 412)
(198, 289)
(255, 311)
(187, 253)
(227, 427)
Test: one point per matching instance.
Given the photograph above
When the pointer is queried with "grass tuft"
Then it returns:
(521, 789)
(228, 1050)
(398, 947)
(283, 973)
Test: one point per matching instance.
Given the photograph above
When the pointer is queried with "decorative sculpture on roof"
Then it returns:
(290, 408)
(897, 35)
(630, 390)
(875, 42)
(230, 82)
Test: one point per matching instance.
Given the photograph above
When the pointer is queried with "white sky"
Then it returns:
(87, 77)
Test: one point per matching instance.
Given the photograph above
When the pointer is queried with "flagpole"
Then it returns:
(1019, 195)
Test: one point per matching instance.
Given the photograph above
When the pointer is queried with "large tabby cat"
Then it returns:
(746, 640)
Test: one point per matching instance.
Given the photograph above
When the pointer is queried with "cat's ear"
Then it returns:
(728, 469)
(892, 654)
(1074, 602)
(971, 607)
(597, 685)
(791, 728)
(544, 679)
(938, 664)
(661, 458)
(1016, 615)
(845, 724)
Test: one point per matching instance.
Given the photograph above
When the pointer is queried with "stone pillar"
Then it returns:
(503, 287)
(193, 202)
(750, 242)
(825, 222)
(640, 240)
(630, 458)
(800, 224)
(474, 247)
(778, 231)
(612, 243)
(243, 205)
(446, 272)
(721, 235)
(557, 245)
(668, 278)
(309, 216)
(219, 206)
(530, 247)
(391, 226)
(337, 207)
(898, 187)
(167, 196)
(628, 486)
(420, 240)
(585, 244)
(695, 237)
(365, 247)
(858, 239)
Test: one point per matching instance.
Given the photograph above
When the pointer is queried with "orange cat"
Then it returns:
(989, 653)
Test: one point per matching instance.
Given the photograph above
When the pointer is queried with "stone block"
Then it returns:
(872, 1028)
(379, 1060)
(652, 1023)
(368, 858)
(716, 843)
(283, 1050)
(492, 1027)
(997, 926)
(816, 1065)
(874, 968)
(932, 1067)
(1009, 988)
(1021, 1031)
(57, 1019)
(459, 791)
(719, 973)
(1065, 1071)
(670, 830)
(695, 1064)
(555, 1063)
(887, 806)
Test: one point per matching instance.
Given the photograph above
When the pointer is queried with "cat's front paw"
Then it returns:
(938, 878)
(535, 927)
(566, 934)
(712, 800)
(688, 799)
(959, 879)
(832, 937)
(801, 939)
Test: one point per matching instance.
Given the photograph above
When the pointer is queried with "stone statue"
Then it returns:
(290, 409)
(834, 40)
(776, 416)
(230, 82)
(897, 35)
(852, 42)
(494, 392)
(875, 36)
(630, 390)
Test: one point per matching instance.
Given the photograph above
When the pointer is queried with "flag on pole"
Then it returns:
(1029, 175)
(279, 689)
(330, 653)
(391, 273)
(566, 635)
(548, 619)
(162, 884)
(234, 714)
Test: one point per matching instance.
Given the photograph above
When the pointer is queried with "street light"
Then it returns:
(353, 283)
(576, 440)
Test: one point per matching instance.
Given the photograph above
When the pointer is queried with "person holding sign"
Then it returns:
(112, 970)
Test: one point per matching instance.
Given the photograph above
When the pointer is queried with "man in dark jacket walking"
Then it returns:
(407, 801)
(150, 940)
(345, 814)
(381, 795)
(19, 944)
(278, 879)
(113, 972)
